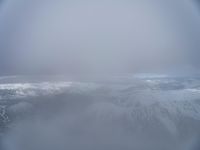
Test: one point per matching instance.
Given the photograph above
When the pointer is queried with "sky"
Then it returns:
(93, 36)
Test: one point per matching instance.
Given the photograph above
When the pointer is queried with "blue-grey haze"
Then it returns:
(97, 36)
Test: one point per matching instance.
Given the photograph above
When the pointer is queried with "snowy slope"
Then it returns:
(127, 110)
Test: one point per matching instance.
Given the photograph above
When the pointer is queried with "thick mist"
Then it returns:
(122, 113)
(99, 75)
(97, 36)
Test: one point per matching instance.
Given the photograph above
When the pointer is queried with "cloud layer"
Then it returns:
(97, 36)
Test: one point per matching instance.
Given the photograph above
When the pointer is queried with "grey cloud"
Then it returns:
(98, 36)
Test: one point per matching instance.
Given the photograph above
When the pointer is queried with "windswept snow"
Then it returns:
(23, 90)
(124, 112)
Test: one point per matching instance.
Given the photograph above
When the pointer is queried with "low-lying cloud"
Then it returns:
(97, 36)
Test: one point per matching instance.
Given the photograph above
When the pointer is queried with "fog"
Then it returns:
(99, 75)
(121, 113)
(97, 36)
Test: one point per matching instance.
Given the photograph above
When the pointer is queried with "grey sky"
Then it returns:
(97, 36)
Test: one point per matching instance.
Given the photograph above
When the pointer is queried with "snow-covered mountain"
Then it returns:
(123, 113)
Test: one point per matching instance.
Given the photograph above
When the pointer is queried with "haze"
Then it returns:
(97, 36)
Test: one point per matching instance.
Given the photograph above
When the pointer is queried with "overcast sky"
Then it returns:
(76, 36)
